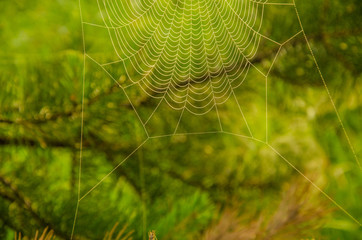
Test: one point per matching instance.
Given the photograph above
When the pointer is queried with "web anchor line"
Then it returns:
(327, 89)
(230, 134)
(82, 122)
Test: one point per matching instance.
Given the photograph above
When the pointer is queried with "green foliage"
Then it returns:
(180, 186)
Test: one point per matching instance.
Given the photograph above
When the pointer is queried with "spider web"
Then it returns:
(188, 57)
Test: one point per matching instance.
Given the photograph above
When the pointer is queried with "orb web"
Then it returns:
(190, 55)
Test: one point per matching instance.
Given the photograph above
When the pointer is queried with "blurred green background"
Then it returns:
(210, 186)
